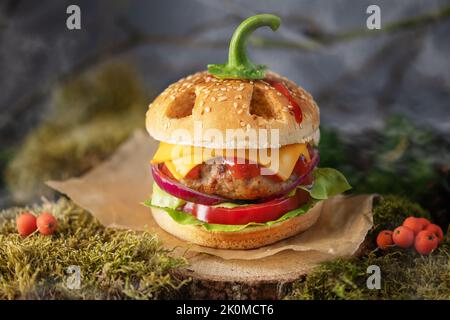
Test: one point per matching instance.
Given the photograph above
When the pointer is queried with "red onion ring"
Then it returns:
(180, 191)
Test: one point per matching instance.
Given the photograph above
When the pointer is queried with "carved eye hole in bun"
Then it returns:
(182, 105)
(260, 106)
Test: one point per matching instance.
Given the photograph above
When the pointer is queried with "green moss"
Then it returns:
(118, 264)
(404, 273)
(91, 116)
(331, 149)
(401, 159)
(115, 264)
(390, 211)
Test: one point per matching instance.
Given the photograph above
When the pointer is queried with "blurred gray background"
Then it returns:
(358, 81)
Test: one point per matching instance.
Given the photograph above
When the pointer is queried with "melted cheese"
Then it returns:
(180, 160)
(288, 156)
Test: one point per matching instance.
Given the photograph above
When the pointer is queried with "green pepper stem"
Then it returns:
(237, 54)
(239, 65)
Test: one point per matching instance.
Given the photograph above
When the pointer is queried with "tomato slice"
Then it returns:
(301, 166)
(166, 171)
(243, 170)
(261, 212)
(195, 172)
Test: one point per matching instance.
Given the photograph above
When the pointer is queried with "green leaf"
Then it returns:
(328, 182)
(160, 198)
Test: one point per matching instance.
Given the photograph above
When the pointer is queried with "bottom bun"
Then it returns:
(249, 238)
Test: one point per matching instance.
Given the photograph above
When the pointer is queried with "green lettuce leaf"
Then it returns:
(327, 183)
(162, 199)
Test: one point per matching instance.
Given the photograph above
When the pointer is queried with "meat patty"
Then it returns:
(217, 179)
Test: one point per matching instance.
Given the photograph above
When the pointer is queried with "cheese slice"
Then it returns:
(180, 170)
(287, 158)
(180, 160)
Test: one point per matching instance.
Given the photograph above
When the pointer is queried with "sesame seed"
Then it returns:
(290, 107)
(240, 89)
(240, 111)
(242, 123)
(223, 89)
(202, 103)
(278, 93)
(213, 99)
(207, 109)
(235, 104)
(222, 98)
(248, 126)
(285, 109)
(244, 106)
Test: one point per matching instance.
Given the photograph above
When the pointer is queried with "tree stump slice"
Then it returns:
(267, 278)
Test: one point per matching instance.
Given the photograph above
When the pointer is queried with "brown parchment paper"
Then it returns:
(114, 190)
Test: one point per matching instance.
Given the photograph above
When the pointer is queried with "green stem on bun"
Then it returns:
(239, 66)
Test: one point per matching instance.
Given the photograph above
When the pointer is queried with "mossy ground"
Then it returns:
(114, 264)
(118, 264)
(404, 273)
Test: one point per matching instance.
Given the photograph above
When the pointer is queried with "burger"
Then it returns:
(237, 162)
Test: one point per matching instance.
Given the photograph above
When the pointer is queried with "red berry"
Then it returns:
(436, 230)
(414, 224)
(426, 241)
(26, 224)
(403, 237)
(384, 239)
(46, 223)
(424, 222)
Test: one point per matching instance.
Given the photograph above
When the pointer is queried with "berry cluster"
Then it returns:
(419, 232)
(27, 223)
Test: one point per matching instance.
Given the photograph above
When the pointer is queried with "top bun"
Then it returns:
(203, 101)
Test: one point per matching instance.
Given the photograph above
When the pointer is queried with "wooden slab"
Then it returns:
(215, 278)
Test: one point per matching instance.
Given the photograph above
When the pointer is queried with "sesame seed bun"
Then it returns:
(248, 238)
(231, 104)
